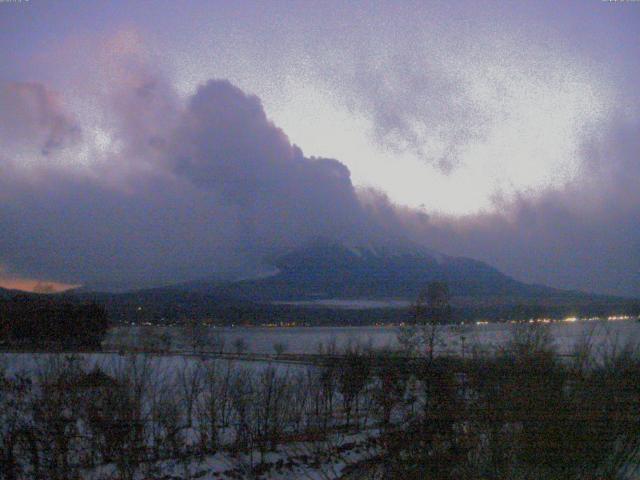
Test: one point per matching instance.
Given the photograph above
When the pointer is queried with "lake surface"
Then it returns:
(603, 335)
(565, 335)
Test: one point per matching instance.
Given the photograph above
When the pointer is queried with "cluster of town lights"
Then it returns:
(610, 318)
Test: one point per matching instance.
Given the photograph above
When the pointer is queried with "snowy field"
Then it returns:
(164, 368)
(212, 418)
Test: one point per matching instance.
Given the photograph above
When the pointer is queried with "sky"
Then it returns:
(149, 143)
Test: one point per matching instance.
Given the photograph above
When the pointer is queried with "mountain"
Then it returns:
(328, 283)
(173, 303)
(329, 270)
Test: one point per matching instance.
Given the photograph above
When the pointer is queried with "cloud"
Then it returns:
(584, 236)
(184, 190)
(225, 143)
(219, 189)
(415, 102)
(144, 187)
(32, 116)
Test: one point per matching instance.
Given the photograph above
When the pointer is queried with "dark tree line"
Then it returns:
(46, 321)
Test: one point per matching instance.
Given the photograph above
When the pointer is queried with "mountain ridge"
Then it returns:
(329, 283)
(331, 270)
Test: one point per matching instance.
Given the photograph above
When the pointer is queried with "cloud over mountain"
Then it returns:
(129, 183)
(181, 190)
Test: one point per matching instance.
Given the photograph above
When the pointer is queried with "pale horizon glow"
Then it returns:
(34, 285)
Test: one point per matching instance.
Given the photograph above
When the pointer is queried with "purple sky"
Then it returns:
(144, 143)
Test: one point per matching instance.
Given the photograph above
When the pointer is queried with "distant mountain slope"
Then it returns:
(310, 280)
(160, 304)
(331, 270)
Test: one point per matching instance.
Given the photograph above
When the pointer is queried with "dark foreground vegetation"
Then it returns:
(522, 412)
(48, 322)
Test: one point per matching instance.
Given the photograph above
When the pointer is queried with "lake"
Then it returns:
(565, 334)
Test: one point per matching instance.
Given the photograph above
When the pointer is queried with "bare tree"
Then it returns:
(196, 334)
(218, 341)
(166, 340)
(302, 387)
(240, 345)
(16, 426)
(390, 386)
(170, 418)
(214, 406)
(132, 413)
(279, 348)
(353, 376)
(431, 311)
(54, 410)
(189, 379)
(270, 408)
(242, 395)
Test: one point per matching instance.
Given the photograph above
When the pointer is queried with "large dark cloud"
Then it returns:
(226, 143)
(217, 189)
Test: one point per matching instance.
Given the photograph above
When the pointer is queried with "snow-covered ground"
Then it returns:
(291, 459)
(297, 460)
(163, 366)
